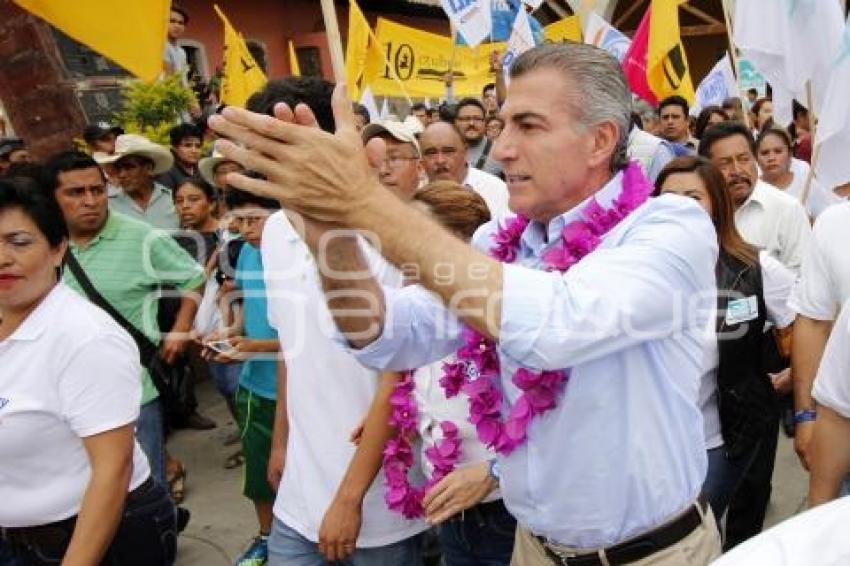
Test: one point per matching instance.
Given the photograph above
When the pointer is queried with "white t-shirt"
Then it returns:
(817, 537)
(68, 372)
(777, 282)
(328, 394)
(832, 384)
(491, 188)
(773, 221)
(434, 407)
(824, 283)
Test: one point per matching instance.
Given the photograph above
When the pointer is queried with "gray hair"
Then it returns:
(600, 85)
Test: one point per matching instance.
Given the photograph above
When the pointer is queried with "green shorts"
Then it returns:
(256, 422)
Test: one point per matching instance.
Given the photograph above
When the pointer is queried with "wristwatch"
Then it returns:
(494, 470)
(805, 416)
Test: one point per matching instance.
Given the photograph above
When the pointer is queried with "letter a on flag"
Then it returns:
(472, 18)
(132, 33)
(242, 75)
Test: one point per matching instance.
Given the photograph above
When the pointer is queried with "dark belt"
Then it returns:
(60, 531)
(639, 547)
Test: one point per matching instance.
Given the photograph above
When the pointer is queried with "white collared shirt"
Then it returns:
(328, 394)
(624, 450)
(67, 373)
(491, 188)
(824, 283)
(773, 221)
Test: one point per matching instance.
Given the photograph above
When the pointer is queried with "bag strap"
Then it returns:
(146, 346)
(484, 154)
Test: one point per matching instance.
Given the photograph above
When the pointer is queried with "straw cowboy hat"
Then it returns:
(134, 144)
(207, 165)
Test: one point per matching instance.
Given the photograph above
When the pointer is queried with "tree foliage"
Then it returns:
(152, 109)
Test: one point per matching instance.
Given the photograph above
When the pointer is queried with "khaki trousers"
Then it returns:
(697, 549)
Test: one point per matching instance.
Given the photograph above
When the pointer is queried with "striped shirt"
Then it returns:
(127, 262)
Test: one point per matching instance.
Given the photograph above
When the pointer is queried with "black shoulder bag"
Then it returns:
(167, 379)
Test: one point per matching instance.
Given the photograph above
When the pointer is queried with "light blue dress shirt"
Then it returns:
(623, 451)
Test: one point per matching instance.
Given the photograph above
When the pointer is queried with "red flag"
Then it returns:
(634, 62)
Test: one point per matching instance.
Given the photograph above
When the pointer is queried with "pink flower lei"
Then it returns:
(477, 371)
(401, 496)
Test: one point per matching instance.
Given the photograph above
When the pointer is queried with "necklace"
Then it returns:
(477, 369)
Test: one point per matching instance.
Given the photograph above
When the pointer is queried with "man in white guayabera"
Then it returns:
(581, 321)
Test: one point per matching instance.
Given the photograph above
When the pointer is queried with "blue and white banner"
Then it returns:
(471, 18)
(520, 41)
(718, 85)
(600, 33)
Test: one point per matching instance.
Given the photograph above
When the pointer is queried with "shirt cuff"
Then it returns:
(527, 296)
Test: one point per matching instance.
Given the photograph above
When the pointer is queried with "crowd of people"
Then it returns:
(550, 325)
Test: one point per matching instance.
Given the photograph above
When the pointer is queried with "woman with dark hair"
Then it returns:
(737, 398)
(709, 116)
(76, 487)
(774, 152)
(762, 115)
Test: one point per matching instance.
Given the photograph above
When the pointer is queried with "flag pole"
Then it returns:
(334, 40)
(735, 64)
(810, 101)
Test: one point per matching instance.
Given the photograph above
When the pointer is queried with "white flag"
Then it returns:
(600, 33)
(471, 18)
(832, 167)
(790, 42)
(368, 100)
(520, 41)
(385, 110)
(718, 85)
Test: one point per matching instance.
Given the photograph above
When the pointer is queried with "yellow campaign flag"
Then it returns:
(567, 29)
(356, 49)
(242, 75)
(130, 33)
(294, 67)
(667, 71)
(421, 59)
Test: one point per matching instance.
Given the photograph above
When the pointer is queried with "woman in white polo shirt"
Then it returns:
(74, 485)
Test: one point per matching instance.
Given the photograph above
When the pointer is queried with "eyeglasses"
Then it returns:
(397, 161)
(466, 119)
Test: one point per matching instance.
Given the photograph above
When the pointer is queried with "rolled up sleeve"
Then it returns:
(418, 330)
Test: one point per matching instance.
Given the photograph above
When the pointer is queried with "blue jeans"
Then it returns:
(226, 377)
(481, 536)
(151, 437)
(146, 535)
(723, 478)
(288, 548)
(7, 558)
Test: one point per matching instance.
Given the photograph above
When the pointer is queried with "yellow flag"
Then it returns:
(242, 75)
(667, 71)
(131, 33)
(418, 60)
(566, 29)
(356, 49)
(294, 68)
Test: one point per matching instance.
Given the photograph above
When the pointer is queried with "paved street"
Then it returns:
(223, 521)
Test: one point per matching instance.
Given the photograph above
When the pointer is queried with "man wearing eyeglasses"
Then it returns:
(400, 171)
(469, 119)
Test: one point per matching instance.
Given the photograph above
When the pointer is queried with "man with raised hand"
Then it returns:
(583, 365)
